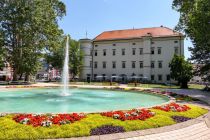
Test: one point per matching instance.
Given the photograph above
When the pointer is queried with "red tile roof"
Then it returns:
(137, 33)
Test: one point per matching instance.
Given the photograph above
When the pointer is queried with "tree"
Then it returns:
(56, 57)
(75, 58)
(29, 27)
(195, 22)
(1, 52)
(181, 70)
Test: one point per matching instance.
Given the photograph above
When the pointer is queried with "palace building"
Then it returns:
(140, 54)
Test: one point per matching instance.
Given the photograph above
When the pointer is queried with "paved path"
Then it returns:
(194, 132)
(199, 94)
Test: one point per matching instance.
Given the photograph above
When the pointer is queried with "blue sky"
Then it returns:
(96, 16)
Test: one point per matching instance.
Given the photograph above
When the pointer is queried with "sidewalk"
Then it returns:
(199, 94)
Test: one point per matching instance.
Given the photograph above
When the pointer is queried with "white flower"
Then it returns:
(152, 113)
(126, 115)
(134, 113)
(3, 114)
(24, 121)
(116, 116)
(46, 123)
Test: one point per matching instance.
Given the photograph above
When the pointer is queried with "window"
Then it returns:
(134, 51)
(176, 50)
(104, 52)
(133, 64)
(141, 51)
(104, 65)
(96, 45)
(133, 43)
(113, 52)
(152, 50)
(141, 64)
(160, 64)
(95, 65)
(123, 51)
(152, 64)
(160, 77)
(113, 64)
(153, 43)
(152, 77)
(168, 77)
(91, 64)
(95, 75)
(123, 64)
(159, 50)
(176, 41)
(113, 44)
(96, 53)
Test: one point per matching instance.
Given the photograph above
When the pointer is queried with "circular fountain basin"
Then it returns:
(49, 100)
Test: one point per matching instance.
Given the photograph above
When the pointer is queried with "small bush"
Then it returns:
(179, 119)
(106, 129)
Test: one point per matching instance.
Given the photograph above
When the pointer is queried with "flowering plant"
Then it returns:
(173, 107)
(135, 114)
(47, 120)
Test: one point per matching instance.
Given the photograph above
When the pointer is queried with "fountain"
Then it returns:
(65, 78)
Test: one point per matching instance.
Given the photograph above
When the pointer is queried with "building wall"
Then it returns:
(167, 46)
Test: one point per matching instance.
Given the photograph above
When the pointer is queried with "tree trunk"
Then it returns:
(14, 75)
(20, 76)
(27, 78)
(184, 84)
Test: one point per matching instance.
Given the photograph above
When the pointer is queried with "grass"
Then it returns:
(9, 129)
(191, 86)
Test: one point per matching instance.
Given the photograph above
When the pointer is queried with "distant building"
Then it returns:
(6, 73)
(131, 54)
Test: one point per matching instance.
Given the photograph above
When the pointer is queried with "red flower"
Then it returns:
(134, 114)
(36, 120)
(173, 107)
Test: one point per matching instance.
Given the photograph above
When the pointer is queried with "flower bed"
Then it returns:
(173, 107)
(135, 114)
(47, 120)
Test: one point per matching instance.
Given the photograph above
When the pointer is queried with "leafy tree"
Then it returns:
(181, 70)
(75, 58)
(1, 51)
(29, 27)
(195, 22)
(56, 57)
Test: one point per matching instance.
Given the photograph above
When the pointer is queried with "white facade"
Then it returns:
(138, 58)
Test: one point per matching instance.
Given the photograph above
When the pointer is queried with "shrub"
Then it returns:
(106, 129)
(179, 119)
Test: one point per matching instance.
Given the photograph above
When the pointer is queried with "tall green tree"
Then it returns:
(75, 58)
(29, 27)
(2, 57)
(181, 70)
(56, 56)
(195, 22)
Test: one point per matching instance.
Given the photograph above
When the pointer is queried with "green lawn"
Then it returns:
(191, 86)
(9, 129)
